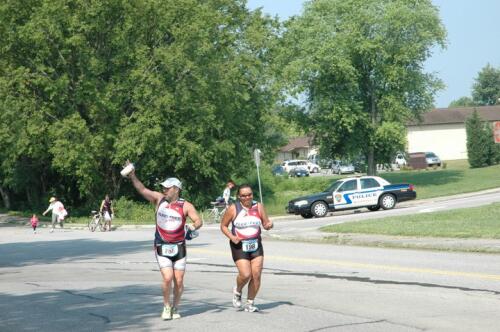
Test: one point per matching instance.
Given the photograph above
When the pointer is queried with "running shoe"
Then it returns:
(236, 298)
(249, 307)
(167, 313)
(51, 230)
(175, 313)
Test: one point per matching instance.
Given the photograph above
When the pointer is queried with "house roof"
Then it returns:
(303, 142)
(458, 115)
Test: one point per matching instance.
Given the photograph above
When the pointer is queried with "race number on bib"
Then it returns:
(250, 245)
(169, 250)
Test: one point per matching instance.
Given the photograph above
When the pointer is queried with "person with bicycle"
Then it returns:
(226, 195)
(107, 212)
(246, 217)
(96, 220)
(170, 246)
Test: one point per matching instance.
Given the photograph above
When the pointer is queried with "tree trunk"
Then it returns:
(372, 167)
(116, 185)
(29, 196)
(5, 197)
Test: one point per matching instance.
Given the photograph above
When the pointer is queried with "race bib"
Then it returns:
(169, 250)
(250, 245)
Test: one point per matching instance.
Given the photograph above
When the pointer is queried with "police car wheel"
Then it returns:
(374, 207)
(319, 209)
(387, 201)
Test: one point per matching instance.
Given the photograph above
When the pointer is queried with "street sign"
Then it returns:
(256, 156)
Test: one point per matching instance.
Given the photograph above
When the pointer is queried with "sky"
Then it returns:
(473, 41)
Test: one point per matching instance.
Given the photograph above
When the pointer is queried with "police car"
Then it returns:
(372, 192)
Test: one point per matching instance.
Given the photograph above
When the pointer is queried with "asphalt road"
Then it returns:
(74, 280)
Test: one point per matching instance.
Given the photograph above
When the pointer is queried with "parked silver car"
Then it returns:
(342, 167)
(432, 159)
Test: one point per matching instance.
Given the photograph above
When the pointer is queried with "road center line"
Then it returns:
(360, 265)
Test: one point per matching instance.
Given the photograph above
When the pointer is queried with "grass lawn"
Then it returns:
(479, 222)
(456, 178)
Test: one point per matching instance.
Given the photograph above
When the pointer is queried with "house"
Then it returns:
(297, 148)
(442, 131)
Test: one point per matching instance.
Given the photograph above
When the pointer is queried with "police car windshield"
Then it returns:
(334, 186)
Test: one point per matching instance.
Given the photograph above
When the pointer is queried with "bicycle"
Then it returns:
(97, 220)
(215, 213)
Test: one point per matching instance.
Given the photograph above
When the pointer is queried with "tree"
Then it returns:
(462, 102)
(481, 149)
(179, 87)
(359, 65)
(486, 89)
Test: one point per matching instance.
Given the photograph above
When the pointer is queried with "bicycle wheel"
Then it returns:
(220, 214)
(212, 215)
(93, 223)
(102, 224)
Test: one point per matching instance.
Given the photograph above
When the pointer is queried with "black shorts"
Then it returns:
(180, 254)
(238, 253)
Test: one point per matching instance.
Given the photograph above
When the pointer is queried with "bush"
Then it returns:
(133, 212)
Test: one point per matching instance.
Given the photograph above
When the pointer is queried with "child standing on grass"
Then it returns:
(34, 223)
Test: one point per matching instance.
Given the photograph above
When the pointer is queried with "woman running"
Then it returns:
(246, 218)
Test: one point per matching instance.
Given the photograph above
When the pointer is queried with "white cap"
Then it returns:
(170, 182)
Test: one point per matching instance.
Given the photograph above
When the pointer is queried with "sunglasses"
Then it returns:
(246, 195)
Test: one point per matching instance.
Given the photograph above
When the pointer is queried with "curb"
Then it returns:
(397, 242)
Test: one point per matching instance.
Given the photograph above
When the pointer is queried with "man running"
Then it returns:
(169, 243)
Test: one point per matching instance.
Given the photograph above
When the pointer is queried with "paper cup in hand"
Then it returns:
(127, 169)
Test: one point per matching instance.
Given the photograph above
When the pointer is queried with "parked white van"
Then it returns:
(288, 165)
(400, 160)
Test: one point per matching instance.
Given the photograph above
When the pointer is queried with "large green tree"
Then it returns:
(462, 102)
(486, 88)
(181, 87)
(359, 64)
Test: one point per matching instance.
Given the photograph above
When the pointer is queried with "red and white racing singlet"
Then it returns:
(170, 221)
(247, 223)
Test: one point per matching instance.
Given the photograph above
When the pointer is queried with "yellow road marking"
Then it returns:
(359, 265)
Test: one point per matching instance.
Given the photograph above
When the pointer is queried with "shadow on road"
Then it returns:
(131, 308)
(21, 254)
